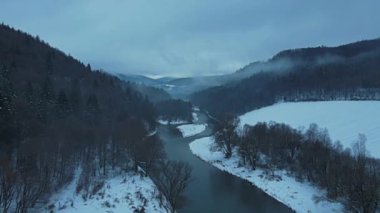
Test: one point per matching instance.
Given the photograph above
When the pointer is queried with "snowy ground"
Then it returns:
(177, 122)
(120, 194)
(343, 119)
(195, 117)
(298, 196)
(188, 130)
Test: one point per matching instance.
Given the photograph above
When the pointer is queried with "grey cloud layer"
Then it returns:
(170, 37)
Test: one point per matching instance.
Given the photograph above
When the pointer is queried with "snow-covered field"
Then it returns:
(120, 194)
(298, 196)
(188, 130)
(343, 119)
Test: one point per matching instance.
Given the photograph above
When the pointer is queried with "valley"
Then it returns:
(211, 189)
(296, 132)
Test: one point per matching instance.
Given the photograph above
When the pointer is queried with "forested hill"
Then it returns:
(347, 72)
(56, 113)
(151, 91)
(36, 71)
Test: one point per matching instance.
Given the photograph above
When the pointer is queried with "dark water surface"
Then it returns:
(213, 190)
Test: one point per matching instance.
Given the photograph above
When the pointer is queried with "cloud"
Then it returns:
(181, 38)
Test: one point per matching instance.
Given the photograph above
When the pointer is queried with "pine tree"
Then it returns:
(46, 100)
(63, 107)
(92, 109)
(75, 97)
(6, 107)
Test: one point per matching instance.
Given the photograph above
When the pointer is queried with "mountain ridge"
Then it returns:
(319, 73)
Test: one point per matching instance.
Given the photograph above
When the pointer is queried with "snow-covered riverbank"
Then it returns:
(188, 130)
(302, 197)
(124, 193)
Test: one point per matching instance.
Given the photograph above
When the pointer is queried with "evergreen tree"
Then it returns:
(6, 107)
(46, 101)
(75, 96)
(63, 107)
(92, 109)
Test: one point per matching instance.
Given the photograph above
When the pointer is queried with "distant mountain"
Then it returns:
(165, 79)
(183, 87)
(176, 87)
(150, 88)
(349, 71)
(316, 53)
(139, 79)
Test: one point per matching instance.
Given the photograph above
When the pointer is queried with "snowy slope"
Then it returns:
(188, 130)
(298, 196)
(343, 119)
(120, 194)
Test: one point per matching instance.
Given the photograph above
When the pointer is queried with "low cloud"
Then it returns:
(184, 38)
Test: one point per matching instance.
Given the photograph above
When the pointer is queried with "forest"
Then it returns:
(174, 109)
(59, 115)
(348, 72)
(310, 156)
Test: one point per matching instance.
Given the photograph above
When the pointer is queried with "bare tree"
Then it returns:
(225, 135)
(248, 149)
(7, 189)
(363, 192)
(172, 180)
(151, 153)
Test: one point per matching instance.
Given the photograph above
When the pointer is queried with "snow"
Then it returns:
(298, 196)
(188, 130)
(176, 122)
(195, 117)
(343, 119)
(152, 133)
(196, 109)
(123, 193)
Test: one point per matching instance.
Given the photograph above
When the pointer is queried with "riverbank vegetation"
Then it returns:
(348, 175)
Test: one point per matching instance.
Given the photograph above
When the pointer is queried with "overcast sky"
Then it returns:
(192, 37)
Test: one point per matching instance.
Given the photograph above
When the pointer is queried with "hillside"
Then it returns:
(346, 72)
(57, 114)
(344, 120)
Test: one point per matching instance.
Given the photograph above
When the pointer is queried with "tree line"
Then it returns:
(174, 109)
(345, 173)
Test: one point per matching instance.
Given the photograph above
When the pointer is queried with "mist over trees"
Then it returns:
(348, 72)
(344, 173)
(153, 94)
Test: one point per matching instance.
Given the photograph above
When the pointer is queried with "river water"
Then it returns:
(211, 189)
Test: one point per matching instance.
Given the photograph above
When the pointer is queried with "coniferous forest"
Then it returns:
(347, 72)
(58, 115)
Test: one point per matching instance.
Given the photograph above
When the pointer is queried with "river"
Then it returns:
(211, 189)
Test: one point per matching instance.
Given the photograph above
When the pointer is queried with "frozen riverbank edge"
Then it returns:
(299, 196)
